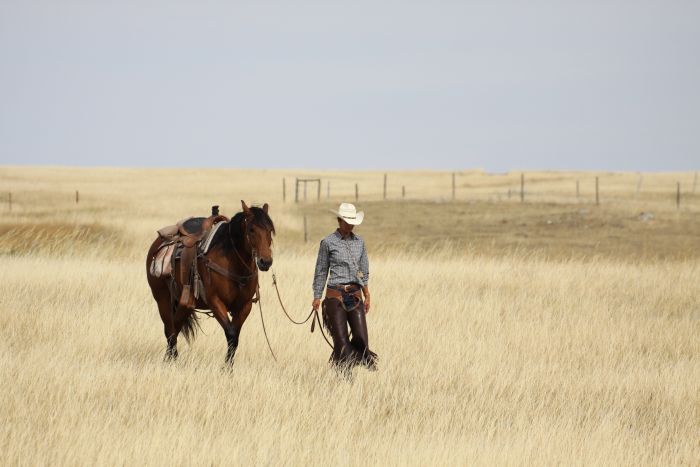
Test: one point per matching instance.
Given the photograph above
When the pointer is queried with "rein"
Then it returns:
(313, 313)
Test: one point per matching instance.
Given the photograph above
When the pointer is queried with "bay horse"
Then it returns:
(229, 272)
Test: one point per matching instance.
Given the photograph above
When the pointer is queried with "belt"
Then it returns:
(333, 292)
(347, 288)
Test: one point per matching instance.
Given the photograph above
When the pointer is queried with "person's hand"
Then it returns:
(367, 304)
(316, 304)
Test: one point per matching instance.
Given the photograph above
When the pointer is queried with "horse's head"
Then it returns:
(258, 232)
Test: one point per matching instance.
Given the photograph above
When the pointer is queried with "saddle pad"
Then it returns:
(162, 264)
(206, 243)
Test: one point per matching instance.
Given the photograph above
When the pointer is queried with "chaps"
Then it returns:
(346, 351)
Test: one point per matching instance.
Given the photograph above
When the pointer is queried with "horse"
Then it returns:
(229, 272)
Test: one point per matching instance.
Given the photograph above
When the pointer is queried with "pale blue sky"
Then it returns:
(498, 85)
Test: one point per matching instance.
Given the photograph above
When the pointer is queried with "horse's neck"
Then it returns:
(242, 254)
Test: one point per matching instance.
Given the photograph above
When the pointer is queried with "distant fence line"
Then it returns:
(453, 189)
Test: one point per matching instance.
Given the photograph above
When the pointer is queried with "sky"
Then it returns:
(363, 85)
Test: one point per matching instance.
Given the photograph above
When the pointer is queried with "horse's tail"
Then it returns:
(190, 327)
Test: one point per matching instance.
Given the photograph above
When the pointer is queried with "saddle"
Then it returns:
(185, 236)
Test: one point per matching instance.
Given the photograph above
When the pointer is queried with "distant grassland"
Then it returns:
(545, 332)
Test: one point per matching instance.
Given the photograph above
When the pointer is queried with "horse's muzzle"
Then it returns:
(264, 264)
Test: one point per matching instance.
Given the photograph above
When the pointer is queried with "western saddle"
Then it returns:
(189, 233)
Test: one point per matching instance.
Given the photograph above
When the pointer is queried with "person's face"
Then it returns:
(344, 226)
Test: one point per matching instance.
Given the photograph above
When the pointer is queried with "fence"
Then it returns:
(678, 190)
(521, 187)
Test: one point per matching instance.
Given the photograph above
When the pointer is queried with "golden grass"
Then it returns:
(496, 348)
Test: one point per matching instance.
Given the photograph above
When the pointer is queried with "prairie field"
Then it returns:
(552, 330)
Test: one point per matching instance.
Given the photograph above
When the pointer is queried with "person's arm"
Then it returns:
(320, 273)
(364, 267)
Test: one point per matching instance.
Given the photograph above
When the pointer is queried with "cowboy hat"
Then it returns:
(349, 214)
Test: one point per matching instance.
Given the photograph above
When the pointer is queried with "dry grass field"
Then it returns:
(547, 332)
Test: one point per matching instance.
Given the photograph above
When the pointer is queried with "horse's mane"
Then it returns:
(227, 237)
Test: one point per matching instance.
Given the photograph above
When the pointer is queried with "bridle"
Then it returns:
(253, 249)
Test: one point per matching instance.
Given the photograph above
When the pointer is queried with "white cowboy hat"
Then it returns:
(349, 214)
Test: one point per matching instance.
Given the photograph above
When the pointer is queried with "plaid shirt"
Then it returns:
(334, 256)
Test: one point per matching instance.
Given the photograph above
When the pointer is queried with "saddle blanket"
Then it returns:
(162, 264)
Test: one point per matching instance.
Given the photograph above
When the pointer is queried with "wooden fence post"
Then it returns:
(77, 197)
(403, 191)
(284, 190)
(357, 192)
(306, 234)
(639, 184)
(318, 191)
(453, 187)
(678, 195)
(385, 186)
(522, 187)
(597, 199)
(695, 182)
(328, 189)
(296, 190)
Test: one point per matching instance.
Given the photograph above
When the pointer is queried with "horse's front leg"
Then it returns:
(238, 317)
(230, 330)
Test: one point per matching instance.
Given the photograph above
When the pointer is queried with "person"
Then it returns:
(342, 269)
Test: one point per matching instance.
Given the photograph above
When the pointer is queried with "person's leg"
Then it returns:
(335, 319)
(360, 337)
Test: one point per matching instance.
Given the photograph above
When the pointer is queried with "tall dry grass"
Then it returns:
(512, 358)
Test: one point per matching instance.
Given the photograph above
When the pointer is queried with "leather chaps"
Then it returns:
(348, 351)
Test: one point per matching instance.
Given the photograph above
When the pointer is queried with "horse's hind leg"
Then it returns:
(165, 308)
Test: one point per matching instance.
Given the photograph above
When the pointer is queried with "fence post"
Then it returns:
(306, 234)
(695, 182)
(305, 190)
(597, 199)
(357, 192)
(639, 184)
(328, 189)
(385, 186)
(296, 190)
(522, 187)
(318, 191)
(77, 197)
(453, 187)
(403, 191)
(284, 190)
(678, 195)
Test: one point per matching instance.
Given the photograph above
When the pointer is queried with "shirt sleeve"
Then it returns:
(364, 265)
(321, 272)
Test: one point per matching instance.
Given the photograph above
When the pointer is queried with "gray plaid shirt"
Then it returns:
(341, 258)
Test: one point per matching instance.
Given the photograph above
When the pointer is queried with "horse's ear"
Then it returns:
(266, 207)
(246, 209)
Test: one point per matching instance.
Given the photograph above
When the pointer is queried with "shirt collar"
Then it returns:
(351, 236)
